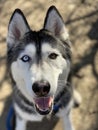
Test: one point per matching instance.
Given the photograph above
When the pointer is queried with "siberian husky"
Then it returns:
(39, 64)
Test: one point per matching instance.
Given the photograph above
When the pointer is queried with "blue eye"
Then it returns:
(25, 58)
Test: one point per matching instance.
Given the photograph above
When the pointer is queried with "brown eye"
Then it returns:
(53, 56)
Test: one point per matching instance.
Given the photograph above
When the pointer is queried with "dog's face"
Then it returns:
(38, 60)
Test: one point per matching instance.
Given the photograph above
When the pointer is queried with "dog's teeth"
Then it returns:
(37, 106)
(50, 102)
(41, 109)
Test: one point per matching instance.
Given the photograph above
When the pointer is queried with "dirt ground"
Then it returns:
(81, 19)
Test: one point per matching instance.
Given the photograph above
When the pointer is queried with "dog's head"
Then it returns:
(39, 60)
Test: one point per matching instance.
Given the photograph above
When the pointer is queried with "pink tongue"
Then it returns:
(43, 102)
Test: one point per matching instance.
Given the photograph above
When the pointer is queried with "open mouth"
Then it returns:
(43, 105)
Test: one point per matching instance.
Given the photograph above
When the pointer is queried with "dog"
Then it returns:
(40, 63)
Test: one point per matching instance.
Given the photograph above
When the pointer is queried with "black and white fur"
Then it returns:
(39, 64)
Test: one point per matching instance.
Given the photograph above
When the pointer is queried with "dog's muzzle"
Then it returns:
(43, 102)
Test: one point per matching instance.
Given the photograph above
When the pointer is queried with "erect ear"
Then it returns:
(55, 24)
(18, 26)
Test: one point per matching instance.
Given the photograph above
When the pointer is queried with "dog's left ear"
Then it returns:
(55, 24)
(18, 26)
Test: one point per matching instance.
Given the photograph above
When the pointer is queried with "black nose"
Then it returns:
(41, 88)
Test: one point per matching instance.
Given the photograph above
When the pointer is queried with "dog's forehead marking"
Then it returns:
(46, 47)
(30, 49)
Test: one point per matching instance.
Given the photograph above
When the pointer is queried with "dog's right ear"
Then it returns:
(18, 26)
(55, 24)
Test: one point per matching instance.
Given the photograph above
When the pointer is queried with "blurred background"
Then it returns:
(81, 19)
